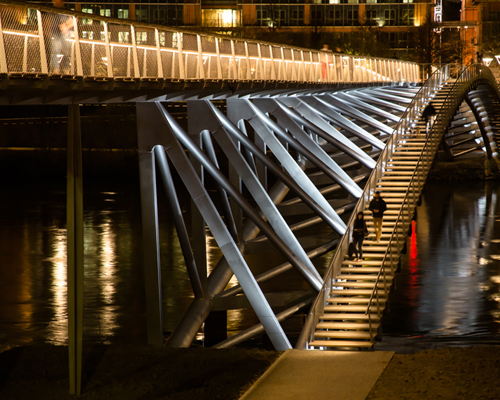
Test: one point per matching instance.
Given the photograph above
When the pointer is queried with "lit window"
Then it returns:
(122, 13)
(123, 37)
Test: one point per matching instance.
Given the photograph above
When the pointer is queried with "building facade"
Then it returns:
(480, 29)
(393, 20)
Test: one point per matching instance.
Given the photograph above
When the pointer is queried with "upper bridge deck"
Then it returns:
(60, 56)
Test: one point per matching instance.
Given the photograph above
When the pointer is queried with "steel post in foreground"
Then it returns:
(150, 235)
(75, 249)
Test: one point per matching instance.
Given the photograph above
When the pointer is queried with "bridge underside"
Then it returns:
(475, 125)
(299, 161)
(302, 159)
(39, 89)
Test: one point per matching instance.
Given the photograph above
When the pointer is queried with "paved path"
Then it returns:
(320, 375)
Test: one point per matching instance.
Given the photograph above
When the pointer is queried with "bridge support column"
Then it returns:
(75, 248)
(150, 233)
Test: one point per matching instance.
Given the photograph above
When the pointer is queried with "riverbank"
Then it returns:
(124, 372)
(132, 372)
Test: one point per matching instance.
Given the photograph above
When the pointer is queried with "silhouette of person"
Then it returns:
(429, 115)
(377, 207)
(55, 29)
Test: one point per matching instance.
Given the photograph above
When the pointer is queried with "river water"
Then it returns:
(448, 290)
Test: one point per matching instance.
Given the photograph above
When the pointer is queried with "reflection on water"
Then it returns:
(449, 280)
(449, 287)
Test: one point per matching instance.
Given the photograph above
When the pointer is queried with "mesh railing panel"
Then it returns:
(191, 66)
(208, 44)
(276, 52)
(239, 48)
(59, 52)
(267, 69)
(189, 42)
(253, 50)
(225, 47)
(225, 64)
(122, 61)
(140, 60)
(151, 64)
(265, 52)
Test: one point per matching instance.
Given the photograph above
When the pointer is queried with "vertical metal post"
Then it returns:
(259, 68)
(150, 234)
(233, 60)
(128, 61)
(201, 67)
(283, 64)
(78, 52)
(249, 68)
(92, 61)
(158, 54)
(108, 51)
(75, 248)
(3, 57)
(137, 73)
(41, 41)
(219, 67)
(25, 55)
(182, 71)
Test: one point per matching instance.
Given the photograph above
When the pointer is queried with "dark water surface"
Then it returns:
(448, 290)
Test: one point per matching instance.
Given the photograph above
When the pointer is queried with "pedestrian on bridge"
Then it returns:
(377, 207)
(360, 230)
(429, 115)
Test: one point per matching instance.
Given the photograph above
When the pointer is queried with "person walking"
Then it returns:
(377, 207)
(429, 115)
(360, 230)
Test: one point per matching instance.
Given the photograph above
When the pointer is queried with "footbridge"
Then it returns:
(281, 143)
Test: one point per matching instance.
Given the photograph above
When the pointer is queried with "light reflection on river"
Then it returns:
(449, 286)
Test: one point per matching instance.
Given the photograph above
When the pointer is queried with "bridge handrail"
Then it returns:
(406, 123)
(424, 163)
(109, 48)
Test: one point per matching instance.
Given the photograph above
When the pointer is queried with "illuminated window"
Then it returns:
(141, 37)
(123, 37)
(87, 21)
(122, 13)
(221, 18)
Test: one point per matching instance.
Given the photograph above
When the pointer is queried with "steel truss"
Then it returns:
(476, 125)
(317, 148)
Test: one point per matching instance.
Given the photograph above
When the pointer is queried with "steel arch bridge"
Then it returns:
(304, 130)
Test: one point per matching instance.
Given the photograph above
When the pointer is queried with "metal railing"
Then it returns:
(466, 78)
(405, 125)
(399, 235)
(41, 40)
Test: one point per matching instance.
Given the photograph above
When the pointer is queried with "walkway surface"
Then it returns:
(320, 375)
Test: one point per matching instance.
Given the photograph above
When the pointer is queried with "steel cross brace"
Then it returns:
(226, 243)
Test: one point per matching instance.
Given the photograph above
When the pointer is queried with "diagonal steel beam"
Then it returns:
(226, 243)
(350, 97)
(268, 163)
(281, 113)
(318, 120)
(345, 109)
(291, 165)
(268, 208)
